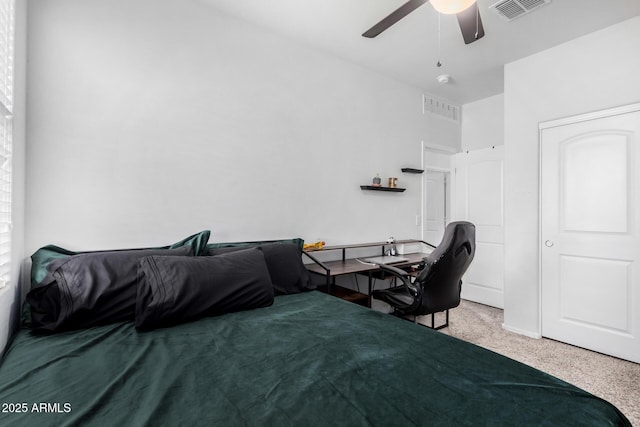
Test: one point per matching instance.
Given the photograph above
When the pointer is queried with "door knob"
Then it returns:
(548, 243)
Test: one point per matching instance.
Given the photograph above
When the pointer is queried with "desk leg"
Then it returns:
(369, 294)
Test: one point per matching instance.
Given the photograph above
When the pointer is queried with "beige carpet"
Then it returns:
(615, 380)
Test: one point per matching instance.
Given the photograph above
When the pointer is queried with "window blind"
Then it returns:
(6, 55)
(5, 201)
(7, 11)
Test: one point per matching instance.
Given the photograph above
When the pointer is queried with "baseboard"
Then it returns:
(519, 331)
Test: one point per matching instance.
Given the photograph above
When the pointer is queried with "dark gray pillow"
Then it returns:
(173, 290)
(90, 289)
(288, 273)
(42, 261)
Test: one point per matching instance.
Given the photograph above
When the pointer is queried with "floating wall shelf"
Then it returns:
(412, 170)
(381, 188)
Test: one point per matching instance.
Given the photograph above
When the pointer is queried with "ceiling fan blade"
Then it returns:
(471, 24)
(394, 17)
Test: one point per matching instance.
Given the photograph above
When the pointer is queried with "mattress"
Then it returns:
(309, 359)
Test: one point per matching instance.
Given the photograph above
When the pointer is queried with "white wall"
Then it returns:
(150, 120)
(442, 132)
(10, 295)
(591, 73)
(483, 123)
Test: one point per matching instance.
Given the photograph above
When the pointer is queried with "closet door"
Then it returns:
(478, 199)
(590, 233)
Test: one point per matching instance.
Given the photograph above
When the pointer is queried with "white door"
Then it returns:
(478, 199)
(590, 235)
(435, 205)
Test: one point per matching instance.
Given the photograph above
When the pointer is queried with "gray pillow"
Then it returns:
(90, 289)
(173, 290)
(288, 273)
(44, 259)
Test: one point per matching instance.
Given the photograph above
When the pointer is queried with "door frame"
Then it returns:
(426, 149)
(594, 115)
(448, 195)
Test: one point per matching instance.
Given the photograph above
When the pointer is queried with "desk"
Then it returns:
(332, 269)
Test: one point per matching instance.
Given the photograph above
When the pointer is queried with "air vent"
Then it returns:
(440, 107)
(512, 9)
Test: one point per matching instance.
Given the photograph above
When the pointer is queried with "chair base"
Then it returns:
(433, 320)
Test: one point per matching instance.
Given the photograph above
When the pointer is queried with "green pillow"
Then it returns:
(211, 247)
(41, 259)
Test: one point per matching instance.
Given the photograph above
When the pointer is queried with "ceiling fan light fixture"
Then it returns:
(450, 7)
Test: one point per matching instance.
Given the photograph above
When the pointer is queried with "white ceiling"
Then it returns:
(408, 51)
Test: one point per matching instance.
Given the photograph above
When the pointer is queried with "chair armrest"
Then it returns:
(402, 275)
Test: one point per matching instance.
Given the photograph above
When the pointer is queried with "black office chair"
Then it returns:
(437, 287)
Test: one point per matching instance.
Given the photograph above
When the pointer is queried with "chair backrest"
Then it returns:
(441, 278)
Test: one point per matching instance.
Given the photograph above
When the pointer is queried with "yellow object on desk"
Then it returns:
(316, 245)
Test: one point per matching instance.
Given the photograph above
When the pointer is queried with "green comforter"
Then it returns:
(308, 360)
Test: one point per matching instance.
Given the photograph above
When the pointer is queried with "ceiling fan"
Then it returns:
(466, 11)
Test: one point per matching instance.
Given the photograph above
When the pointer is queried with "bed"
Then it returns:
(305, 359)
